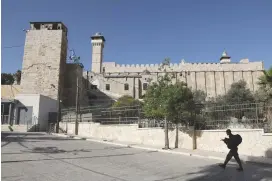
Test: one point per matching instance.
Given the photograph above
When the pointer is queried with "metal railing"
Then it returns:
(247, 116)
(118, 115)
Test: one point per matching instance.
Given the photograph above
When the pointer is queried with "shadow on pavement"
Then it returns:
(9, 137)
(50, 150)
(215, 173)
(55, 150)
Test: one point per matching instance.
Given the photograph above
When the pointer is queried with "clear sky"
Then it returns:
(147, 31)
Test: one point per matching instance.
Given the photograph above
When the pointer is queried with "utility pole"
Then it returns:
(77, 107)
(59, 111)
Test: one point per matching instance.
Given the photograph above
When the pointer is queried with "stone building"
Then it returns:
(48, 82)
(44, 58)
(215, 79)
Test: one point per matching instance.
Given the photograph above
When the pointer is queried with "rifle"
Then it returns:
(226, 141)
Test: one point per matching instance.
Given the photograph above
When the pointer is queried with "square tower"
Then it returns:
(44, 59)
(98, 41)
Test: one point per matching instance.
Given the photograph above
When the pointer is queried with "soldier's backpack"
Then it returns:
(238, 139)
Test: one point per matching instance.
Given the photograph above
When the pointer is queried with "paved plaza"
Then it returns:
(42, 157)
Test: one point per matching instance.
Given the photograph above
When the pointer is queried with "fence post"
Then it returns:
(139, 115)
(194, 132)
(77, 107)
(257, 117)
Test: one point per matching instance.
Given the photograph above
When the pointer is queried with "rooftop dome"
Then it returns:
(224, 54)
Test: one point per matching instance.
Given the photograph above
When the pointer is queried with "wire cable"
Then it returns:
(15, 46)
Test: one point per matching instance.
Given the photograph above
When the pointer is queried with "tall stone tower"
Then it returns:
(44, 59)
(97, 52)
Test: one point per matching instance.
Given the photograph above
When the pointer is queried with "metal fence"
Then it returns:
(249, 116)
(119, 115)
(207, 117)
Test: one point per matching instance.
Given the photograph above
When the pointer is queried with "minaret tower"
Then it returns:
(97, 52)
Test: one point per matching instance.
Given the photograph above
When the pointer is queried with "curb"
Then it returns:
(140, 147)
(245, 158)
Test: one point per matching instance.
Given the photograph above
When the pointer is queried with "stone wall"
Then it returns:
(128, 133)
(255, 142)
(43, 62)
(72, 72)
(214, 83)
(10, 91)
(16, 128)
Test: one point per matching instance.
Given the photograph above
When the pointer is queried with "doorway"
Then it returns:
(24, 115)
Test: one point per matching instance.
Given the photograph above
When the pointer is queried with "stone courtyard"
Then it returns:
(42, 157)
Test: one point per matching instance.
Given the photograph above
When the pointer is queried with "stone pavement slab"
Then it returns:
(36, 157)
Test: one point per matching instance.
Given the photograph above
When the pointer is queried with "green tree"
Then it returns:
(168, 101)
(238, 93)
(17, 76)
(157, 99)
(264, 94)
(7, 79)
(229, 105)
(199, 96)
(181, 106)
(265, 83)
(126, 100)
(127, 106)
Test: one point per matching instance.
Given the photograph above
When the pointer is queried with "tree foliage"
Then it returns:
(17, 76)
(157, 95)
(167, 99)
(199, 96)
(237, 94)
(172, 101)
(265, 93)
(265, 83)
(181, 103)
(126, 101)
(7, 79)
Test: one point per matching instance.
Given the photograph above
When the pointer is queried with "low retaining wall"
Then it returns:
(128, 133)
(255, 142)
(16, 128)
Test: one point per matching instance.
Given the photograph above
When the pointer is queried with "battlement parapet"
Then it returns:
(179, 64)
(173, 65)
(182, 66)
